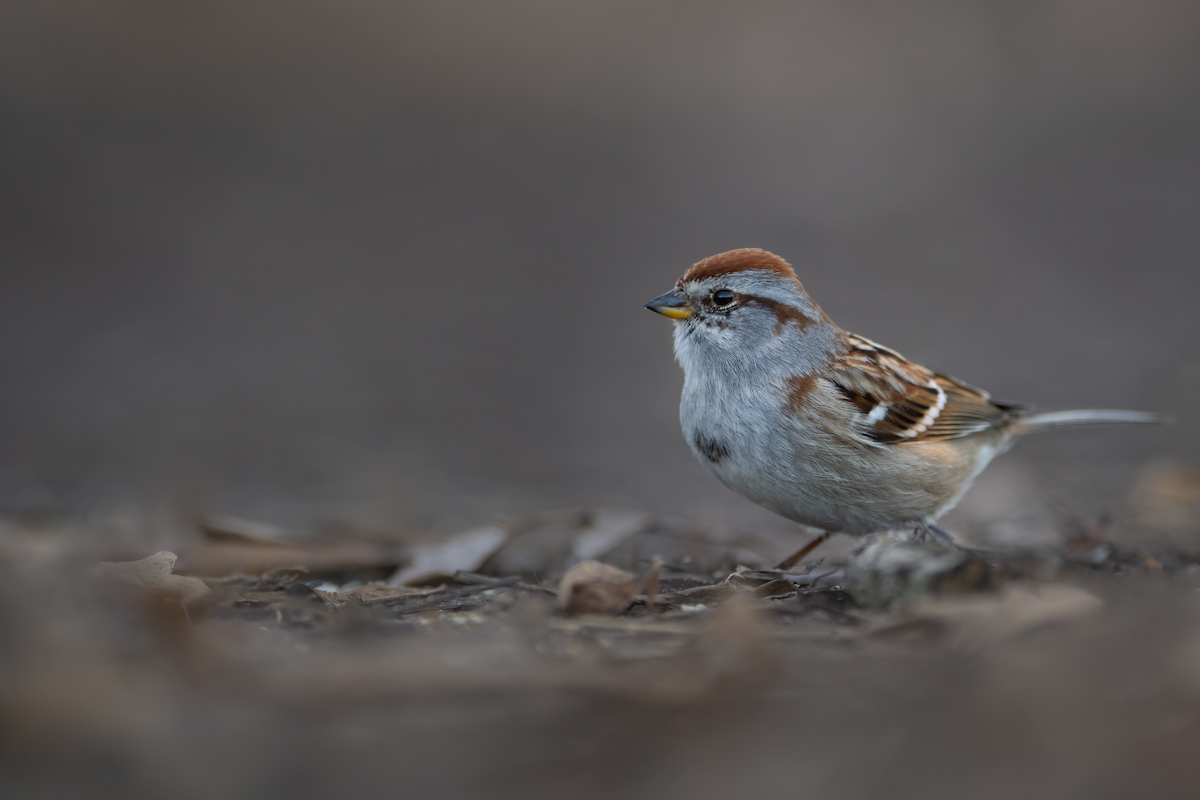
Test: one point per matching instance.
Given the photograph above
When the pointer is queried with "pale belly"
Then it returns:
(857, 490)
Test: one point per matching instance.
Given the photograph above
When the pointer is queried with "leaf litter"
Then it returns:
(572, 623)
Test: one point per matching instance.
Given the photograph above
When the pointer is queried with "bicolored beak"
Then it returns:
(672, 304)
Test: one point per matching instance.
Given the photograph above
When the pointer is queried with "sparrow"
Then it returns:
(820, 425)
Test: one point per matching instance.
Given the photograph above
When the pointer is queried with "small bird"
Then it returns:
(820, 425)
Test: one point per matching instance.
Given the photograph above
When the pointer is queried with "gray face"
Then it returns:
(751, 320)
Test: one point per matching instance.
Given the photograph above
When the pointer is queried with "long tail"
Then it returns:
(1087, 418)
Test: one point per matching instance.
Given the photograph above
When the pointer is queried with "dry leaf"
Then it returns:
(734, 647)
(154, 574)
(652, 581)
(979, 619)
(591, 587)
(236, 545)
(380, 592)
(244, 531)
(1023, 609)
(219, 559)
(539, 544)
(438, 561)
(776, 589)
(606, 530)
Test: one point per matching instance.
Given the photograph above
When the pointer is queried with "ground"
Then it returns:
(1067, 671)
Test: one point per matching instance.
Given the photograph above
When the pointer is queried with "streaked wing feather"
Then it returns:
(903, 402)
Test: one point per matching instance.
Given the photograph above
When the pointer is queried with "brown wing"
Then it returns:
(904, 402)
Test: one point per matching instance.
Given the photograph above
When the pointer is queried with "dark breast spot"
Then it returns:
(710, 448)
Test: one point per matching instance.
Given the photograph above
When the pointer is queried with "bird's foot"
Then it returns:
(927, 531)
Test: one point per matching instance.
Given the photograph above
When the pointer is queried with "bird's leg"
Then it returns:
(795, 557)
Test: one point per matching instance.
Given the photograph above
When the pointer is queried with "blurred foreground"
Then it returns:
(697, 671)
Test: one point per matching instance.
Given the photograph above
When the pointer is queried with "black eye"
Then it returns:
(724, 298)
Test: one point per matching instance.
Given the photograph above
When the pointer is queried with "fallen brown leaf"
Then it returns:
(154, 574)
(983, 619)
(222, 558)
(438, 561)
(244, 531)
(606, 530)
(235, 545)
(591, 587)
(381, 592)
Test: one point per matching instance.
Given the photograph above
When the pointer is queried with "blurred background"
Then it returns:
(385, 262)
